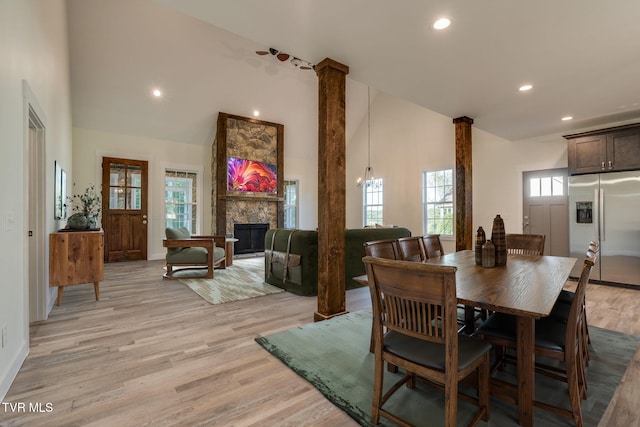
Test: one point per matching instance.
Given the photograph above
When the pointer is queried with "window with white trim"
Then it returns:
(546, 186)
(291, 204)
(437, 202)
(180, 197)
(372, 202)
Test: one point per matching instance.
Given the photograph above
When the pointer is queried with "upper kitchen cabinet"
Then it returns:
(604, 150)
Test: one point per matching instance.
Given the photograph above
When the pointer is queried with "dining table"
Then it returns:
(526, 287)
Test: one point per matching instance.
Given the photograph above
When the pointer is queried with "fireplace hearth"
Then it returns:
(250, 237)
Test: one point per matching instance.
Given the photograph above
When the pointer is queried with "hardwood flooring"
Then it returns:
(151, 352)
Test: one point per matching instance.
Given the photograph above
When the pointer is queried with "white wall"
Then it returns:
(407, 139)
(90, 146)
(33, 47)
(497, 175)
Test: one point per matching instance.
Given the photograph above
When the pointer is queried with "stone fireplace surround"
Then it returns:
(251, 139)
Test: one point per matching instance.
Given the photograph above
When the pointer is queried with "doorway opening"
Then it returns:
(36, 241)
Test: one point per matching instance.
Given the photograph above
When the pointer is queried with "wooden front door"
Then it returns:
(124, 209)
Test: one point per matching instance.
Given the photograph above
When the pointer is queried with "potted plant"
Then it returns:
(87, 207)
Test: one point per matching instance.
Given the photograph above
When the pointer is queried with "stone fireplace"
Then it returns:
(250, 139)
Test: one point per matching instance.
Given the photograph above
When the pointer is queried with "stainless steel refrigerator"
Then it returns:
(606, 208)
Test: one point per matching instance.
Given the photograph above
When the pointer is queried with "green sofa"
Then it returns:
(291, 256)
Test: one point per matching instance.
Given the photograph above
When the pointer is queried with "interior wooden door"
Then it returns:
(124, 209)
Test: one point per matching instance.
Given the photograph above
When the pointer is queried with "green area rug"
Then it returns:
(242, 280)
(334, 357)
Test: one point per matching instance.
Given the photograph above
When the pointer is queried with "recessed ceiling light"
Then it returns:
(256, 113)
(525, 88)
(565, 118)
(157, 93)
(441, 23)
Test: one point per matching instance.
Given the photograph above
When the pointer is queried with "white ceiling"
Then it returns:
(581, 56)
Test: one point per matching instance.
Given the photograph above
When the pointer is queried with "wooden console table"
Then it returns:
(76, 257)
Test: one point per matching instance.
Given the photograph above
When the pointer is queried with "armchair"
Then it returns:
(193, 252)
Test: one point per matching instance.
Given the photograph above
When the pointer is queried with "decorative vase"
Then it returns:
(78, 221)
(499, 239)
(93, 222)
(488, 255)
(481, 239)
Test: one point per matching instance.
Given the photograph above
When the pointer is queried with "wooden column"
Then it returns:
(464, 187)
(331, 188)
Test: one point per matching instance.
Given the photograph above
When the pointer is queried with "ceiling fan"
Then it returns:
(282, 57)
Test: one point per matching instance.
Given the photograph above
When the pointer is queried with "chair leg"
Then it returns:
(451, 403)
(378, 374)
(574, 390)
(483, 386)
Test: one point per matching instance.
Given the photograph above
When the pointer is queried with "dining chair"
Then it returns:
(426, 345)
(554, 339)
(432, 245)
(562, 308)
(525, 244)
(411, 249)
(387, 248)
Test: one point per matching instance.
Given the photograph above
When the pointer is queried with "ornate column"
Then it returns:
(464, 187)
(331, 188)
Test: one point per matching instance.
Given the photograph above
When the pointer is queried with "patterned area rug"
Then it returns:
(334, 357)
(242, 280)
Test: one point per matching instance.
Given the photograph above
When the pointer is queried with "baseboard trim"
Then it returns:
(13, 370)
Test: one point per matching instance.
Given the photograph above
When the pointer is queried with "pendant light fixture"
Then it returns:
(368, 171)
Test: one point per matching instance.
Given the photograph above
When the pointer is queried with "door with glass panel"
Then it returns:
(545, 208)
(124, 214)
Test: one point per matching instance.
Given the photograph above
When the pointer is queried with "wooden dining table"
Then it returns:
(526, 287)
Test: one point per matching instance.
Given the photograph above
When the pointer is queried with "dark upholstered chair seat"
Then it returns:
(433, 354)
(550, 332)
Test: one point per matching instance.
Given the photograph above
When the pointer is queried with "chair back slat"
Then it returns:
(525, 244)
(387, 249)
(419, 299)
(411, 249)
(432, 245)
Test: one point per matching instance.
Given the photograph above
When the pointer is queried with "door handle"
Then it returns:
(144, 216)
(144, 221)
(610, 164)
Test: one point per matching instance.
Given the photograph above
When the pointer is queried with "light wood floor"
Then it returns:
(151, 352)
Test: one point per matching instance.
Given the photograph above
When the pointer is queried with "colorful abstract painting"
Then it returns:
(252, 176)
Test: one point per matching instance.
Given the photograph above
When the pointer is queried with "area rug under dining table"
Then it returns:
(334, 357)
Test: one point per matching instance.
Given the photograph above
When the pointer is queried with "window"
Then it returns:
(291, 204)
(437, 202)
(180, 197)
(372, 202)
(546, 186)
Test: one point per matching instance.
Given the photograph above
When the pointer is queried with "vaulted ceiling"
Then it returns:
(582, 58)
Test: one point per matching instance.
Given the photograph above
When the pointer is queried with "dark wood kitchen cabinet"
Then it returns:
(604, 150)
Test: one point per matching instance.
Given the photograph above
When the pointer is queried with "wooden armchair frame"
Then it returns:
(207, 242)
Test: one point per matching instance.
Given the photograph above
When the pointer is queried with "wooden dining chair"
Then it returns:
(426, 345)
(411, 249)
(387, 248)
(432, 245)
(562, 308)
(554, 339)
(525, 244)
